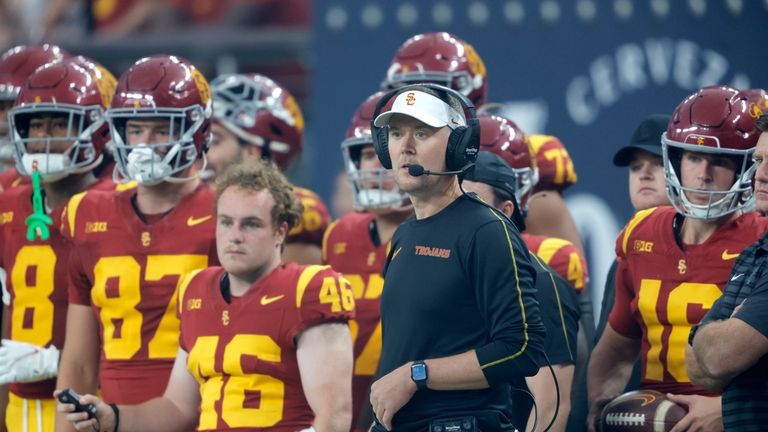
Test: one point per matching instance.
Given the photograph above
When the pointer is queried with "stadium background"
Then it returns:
(584, 70)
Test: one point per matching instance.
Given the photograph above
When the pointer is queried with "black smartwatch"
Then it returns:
(419, 374)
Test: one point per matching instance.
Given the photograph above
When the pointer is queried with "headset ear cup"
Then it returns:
(471, 142)
(381, 146)
(454, 152)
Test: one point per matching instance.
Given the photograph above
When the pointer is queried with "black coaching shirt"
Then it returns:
(456, 281)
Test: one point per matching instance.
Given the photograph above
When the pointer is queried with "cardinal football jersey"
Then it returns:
(314, 220)
(662, 290)
(562, 256)
(349, 249)
(243, 353)
(37, 280)
(127, 271)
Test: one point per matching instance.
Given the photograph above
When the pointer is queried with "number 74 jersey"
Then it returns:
(662, 290)
(243, 352)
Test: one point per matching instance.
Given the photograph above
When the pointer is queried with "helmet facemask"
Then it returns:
(525, 180)
(43, 154)
(372, 189)
(7, 151)
(151, 164)
(720, 203)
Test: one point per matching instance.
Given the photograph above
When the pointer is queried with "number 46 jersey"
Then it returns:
(127, 271)
(243, 352)
(662, 290)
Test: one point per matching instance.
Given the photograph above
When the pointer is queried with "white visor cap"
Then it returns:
(424, 107)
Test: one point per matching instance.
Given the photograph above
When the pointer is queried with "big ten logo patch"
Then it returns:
(643, 246)
(194, 303)
(94, 227)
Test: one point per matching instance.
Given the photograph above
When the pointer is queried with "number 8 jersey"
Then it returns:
(36, 285)
(128, 271)
(662, 290)
(243, 352)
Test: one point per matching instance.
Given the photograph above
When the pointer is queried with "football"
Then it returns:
(640, 411)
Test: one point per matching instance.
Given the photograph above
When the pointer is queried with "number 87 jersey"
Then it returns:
(662, 290)
(242, 352)
(127, 271)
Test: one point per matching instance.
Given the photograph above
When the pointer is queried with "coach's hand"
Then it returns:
(103, 422)
(390, 392)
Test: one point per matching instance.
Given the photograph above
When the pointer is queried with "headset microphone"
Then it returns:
(417, 170)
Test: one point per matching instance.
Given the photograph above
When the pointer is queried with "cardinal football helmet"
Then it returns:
(16, 65)
(161, 87)
(76, 89)
(714, 120)
(439, 58)
(371, 188)
(502, 136)
(261, 112)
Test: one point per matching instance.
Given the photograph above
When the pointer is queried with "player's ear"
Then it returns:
(252, 153)
(282, 233)
(507, 207)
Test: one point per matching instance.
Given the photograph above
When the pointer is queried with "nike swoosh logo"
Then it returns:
(396, 252)
(267, 300)
(729, 256)
(192, 221)
(737, 276)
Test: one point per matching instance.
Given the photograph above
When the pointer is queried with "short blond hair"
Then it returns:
(255, 176)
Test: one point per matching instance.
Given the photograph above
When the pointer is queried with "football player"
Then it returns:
(504, 138)
(256, 118)
(132, 246)
(16, 65)
(675, 261)
(496, 183)
(547, 212)
(356, 245)
(264, 345)
(58, 129)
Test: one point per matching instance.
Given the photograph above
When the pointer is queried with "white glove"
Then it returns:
(22, 362)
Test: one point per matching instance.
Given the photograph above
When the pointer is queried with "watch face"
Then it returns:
(418, 372)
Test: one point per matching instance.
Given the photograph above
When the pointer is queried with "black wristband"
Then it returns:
(692, 333)
(117, 416)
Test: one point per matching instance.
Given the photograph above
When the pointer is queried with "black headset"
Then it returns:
(463, 143)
